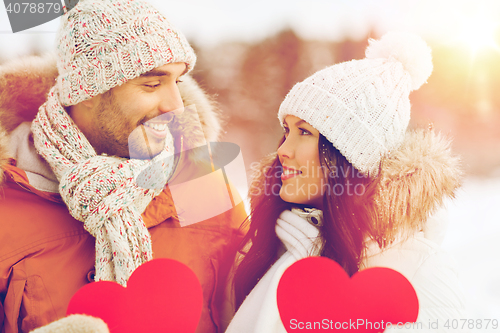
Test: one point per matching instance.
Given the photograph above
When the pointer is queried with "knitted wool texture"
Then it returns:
(101, 191)
(104, 43)
(362, 106)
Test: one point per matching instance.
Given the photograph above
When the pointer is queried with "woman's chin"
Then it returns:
(308, 202)
(290, 198)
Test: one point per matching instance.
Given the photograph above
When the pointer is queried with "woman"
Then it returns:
(351, 184)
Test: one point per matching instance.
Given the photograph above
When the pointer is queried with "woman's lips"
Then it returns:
(289, 173)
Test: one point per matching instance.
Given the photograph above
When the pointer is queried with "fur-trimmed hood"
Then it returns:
(24, 84)
(414, 181)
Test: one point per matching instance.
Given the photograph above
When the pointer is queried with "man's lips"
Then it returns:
(158, 126)
(289, 173)
(157, 129)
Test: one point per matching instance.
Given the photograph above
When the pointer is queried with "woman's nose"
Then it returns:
(286, 150)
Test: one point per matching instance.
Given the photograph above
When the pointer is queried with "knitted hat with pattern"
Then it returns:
(104, 43)
(362, 106)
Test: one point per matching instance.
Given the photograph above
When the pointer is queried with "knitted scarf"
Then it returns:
(101, 191)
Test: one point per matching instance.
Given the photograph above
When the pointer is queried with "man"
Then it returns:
(71, 210)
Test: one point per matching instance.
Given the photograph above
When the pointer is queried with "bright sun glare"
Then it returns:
(479, 33)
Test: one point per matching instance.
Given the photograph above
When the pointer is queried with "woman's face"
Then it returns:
(303, 178)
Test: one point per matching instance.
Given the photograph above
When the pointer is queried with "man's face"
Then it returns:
(140, 109)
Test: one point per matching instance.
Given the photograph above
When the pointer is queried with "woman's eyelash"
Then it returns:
(303, 130)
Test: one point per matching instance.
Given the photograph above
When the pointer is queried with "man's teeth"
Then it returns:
(291, 172)
(156, 126)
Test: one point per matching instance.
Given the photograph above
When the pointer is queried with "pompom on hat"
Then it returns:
(362, 106)
(104, 43)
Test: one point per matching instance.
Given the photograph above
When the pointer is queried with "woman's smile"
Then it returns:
(289, 173)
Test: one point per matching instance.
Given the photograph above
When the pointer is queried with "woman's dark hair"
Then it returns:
(347, 217)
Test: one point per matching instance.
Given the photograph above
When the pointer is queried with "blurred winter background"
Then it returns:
(252, 52)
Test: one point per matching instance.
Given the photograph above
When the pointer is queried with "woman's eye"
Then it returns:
(304, 132)
(179, 81)
(286, 131)
(152, 85)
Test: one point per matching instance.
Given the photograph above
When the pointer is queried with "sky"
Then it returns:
(209, 22)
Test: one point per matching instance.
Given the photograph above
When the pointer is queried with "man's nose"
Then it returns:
(171, 101)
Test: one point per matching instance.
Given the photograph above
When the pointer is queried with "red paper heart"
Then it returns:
(162, 295)
(315, 294)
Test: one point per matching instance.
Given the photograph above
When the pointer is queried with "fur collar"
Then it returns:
(414, 181)
(24, 84)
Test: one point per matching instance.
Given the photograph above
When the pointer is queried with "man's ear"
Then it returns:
(83, 111)
(90, 103)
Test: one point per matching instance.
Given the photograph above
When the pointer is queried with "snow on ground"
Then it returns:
(473, 240)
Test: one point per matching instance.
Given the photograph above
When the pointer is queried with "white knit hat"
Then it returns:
(362, 106)
(104, 43)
